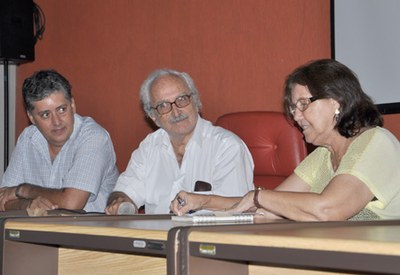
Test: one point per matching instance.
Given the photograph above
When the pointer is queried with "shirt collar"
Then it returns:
(198, 130)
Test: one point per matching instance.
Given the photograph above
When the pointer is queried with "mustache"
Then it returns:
(175, 119)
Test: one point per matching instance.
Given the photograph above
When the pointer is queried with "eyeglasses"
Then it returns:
(166, 107)
(302, 104)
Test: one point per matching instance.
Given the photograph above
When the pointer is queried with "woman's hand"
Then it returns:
(246, 204)
(264, 215)
(185, 202)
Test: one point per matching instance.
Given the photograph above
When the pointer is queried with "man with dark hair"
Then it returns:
(62, 160)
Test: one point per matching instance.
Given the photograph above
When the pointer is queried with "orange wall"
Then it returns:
(237, 51)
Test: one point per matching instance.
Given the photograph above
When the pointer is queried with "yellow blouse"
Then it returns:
(374, 158)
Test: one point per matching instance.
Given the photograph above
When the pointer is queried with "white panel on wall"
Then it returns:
(367, 39)
(11, 113)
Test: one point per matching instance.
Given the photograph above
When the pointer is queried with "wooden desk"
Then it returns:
(86, 245)
(289, 248)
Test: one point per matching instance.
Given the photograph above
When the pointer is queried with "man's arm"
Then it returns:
(68, 198)
(17, 204)
(28, 204)
(7, 194)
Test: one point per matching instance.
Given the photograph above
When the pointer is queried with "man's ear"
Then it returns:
(73, 105)
(154, 119)
(30, 117)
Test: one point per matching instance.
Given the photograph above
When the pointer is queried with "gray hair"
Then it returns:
(148, 83)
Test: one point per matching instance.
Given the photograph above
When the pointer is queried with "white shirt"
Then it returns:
(213, 154)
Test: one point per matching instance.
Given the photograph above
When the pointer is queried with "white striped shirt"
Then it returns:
(86, 162)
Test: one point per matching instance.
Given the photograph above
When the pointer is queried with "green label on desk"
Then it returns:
(207, 249)
(15, 234)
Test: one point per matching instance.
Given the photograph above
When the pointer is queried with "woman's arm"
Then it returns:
(184, 202)
(344, 197)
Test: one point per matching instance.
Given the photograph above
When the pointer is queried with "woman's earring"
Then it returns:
(337, 113)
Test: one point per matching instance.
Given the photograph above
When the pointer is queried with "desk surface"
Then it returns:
(86, 244)
(361, 237)
(336, 244)
(372, 247)
(149, 226)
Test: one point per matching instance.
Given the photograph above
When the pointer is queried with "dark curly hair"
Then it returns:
(42, 84)
(328, 78)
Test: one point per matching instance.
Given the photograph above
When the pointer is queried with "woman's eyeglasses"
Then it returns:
(302, 104)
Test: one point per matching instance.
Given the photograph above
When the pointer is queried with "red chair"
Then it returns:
(277, 146)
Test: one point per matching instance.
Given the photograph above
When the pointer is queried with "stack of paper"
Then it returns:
(205, 216)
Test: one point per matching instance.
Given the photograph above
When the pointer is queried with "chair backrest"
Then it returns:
(277, 146)
(392, 123)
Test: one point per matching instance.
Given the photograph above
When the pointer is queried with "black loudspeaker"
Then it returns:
(16, 31)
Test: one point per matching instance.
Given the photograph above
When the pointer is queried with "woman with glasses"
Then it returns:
(354, 171)
(186, 153)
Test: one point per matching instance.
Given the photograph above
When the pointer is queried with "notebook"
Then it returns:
(206, 216)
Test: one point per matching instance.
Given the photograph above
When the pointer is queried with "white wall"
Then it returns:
(11, 108)
(367, 39)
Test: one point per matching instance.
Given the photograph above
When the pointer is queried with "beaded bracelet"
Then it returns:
(255, 198)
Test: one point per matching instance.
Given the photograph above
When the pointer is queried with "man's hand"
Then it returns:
(6, 194)
(116, 198)
(42, 203)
